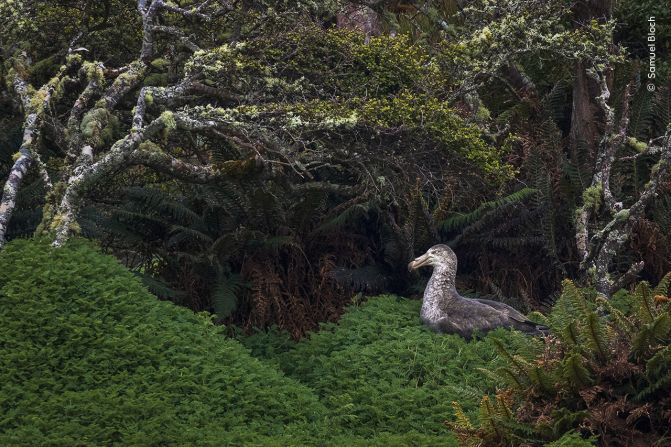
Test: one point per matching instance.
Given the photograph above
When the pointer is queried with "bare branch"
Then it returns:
(124, 83)
(21, 88)
(628, 277)
(193, 12)
(607, 242)
(74, 119)
(87, 173)
(598, 251)
(19, 169)
(183, 39)
(609, 143)
(188, 172)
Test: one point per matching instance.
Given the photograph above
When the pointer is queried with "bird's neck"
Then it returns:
(440, 291)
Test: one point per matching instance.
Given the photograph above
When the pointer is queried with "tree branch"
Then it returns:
(188, 172)
(19, 169)
(183, 39)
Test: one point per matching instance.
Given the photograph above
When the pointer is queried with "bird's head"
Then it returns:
(437, 256)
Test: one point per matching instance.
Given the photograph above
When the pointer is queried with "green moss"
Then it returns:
(149, 146)
(94, 72)
(335, 60)
(637, 145)
(156, 80)
(73, 58)
(483, 113)
(47, 217)
(37, 100)
(622, 214)
(168, 119)
(425, 116)
(312, 78)
(160, 63)
(592, 197)
(99, 126)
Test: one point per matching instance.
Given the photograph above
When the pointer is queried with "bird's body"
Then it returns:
(445, 311)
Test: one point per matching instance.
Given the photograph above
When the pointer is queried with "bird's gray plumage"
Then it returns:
(444, 310)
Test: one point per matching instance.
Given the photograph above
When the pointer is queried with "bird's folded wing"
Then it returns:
(511, 312)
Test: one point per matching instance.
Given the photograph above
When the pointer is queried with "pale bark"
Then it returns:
(585, 115)
(26, 153)
(87, 161)
(74, 133)
(594, 128)
(16, 175)
(88, 172)
(609, 241)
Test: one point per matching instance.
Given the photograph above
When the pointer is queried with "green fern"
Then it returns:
(646, 306)
(345, 217)
(459, 221)
(589, 362)
(225, 294)
(651, 334)
(574, 369)
(662, 288)
(596, 335)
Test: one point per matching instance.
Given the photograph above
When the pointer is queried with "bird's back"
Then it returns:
(465, 316)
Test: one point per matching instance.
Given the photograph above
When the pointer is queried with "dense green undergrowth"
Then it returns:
(379, 369)
(89, 357)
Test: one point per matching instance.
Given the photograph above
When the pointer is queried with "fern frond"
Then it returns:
(655, 332)
(640, 115)
(595, 333)
(370, 278)
(661, 383)
(157, 201)
(275, 243)
(541, 379)
(225, 295)
(576, 297)
(574, 370)
(646, 306)
(662, 287)
(539, 318)
(345, 217)
(511, 377)
(659, 362)
(462, 421)
(556, 100)
(618, 318)
(519, 363)
(488, 419)
(657, 373)
(570, 334)
(158, 287)
(461, 220)
(515, 243)
(179, 234)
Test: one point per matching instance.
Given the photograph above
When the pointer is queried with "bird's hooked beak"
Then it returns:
(419, 262)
